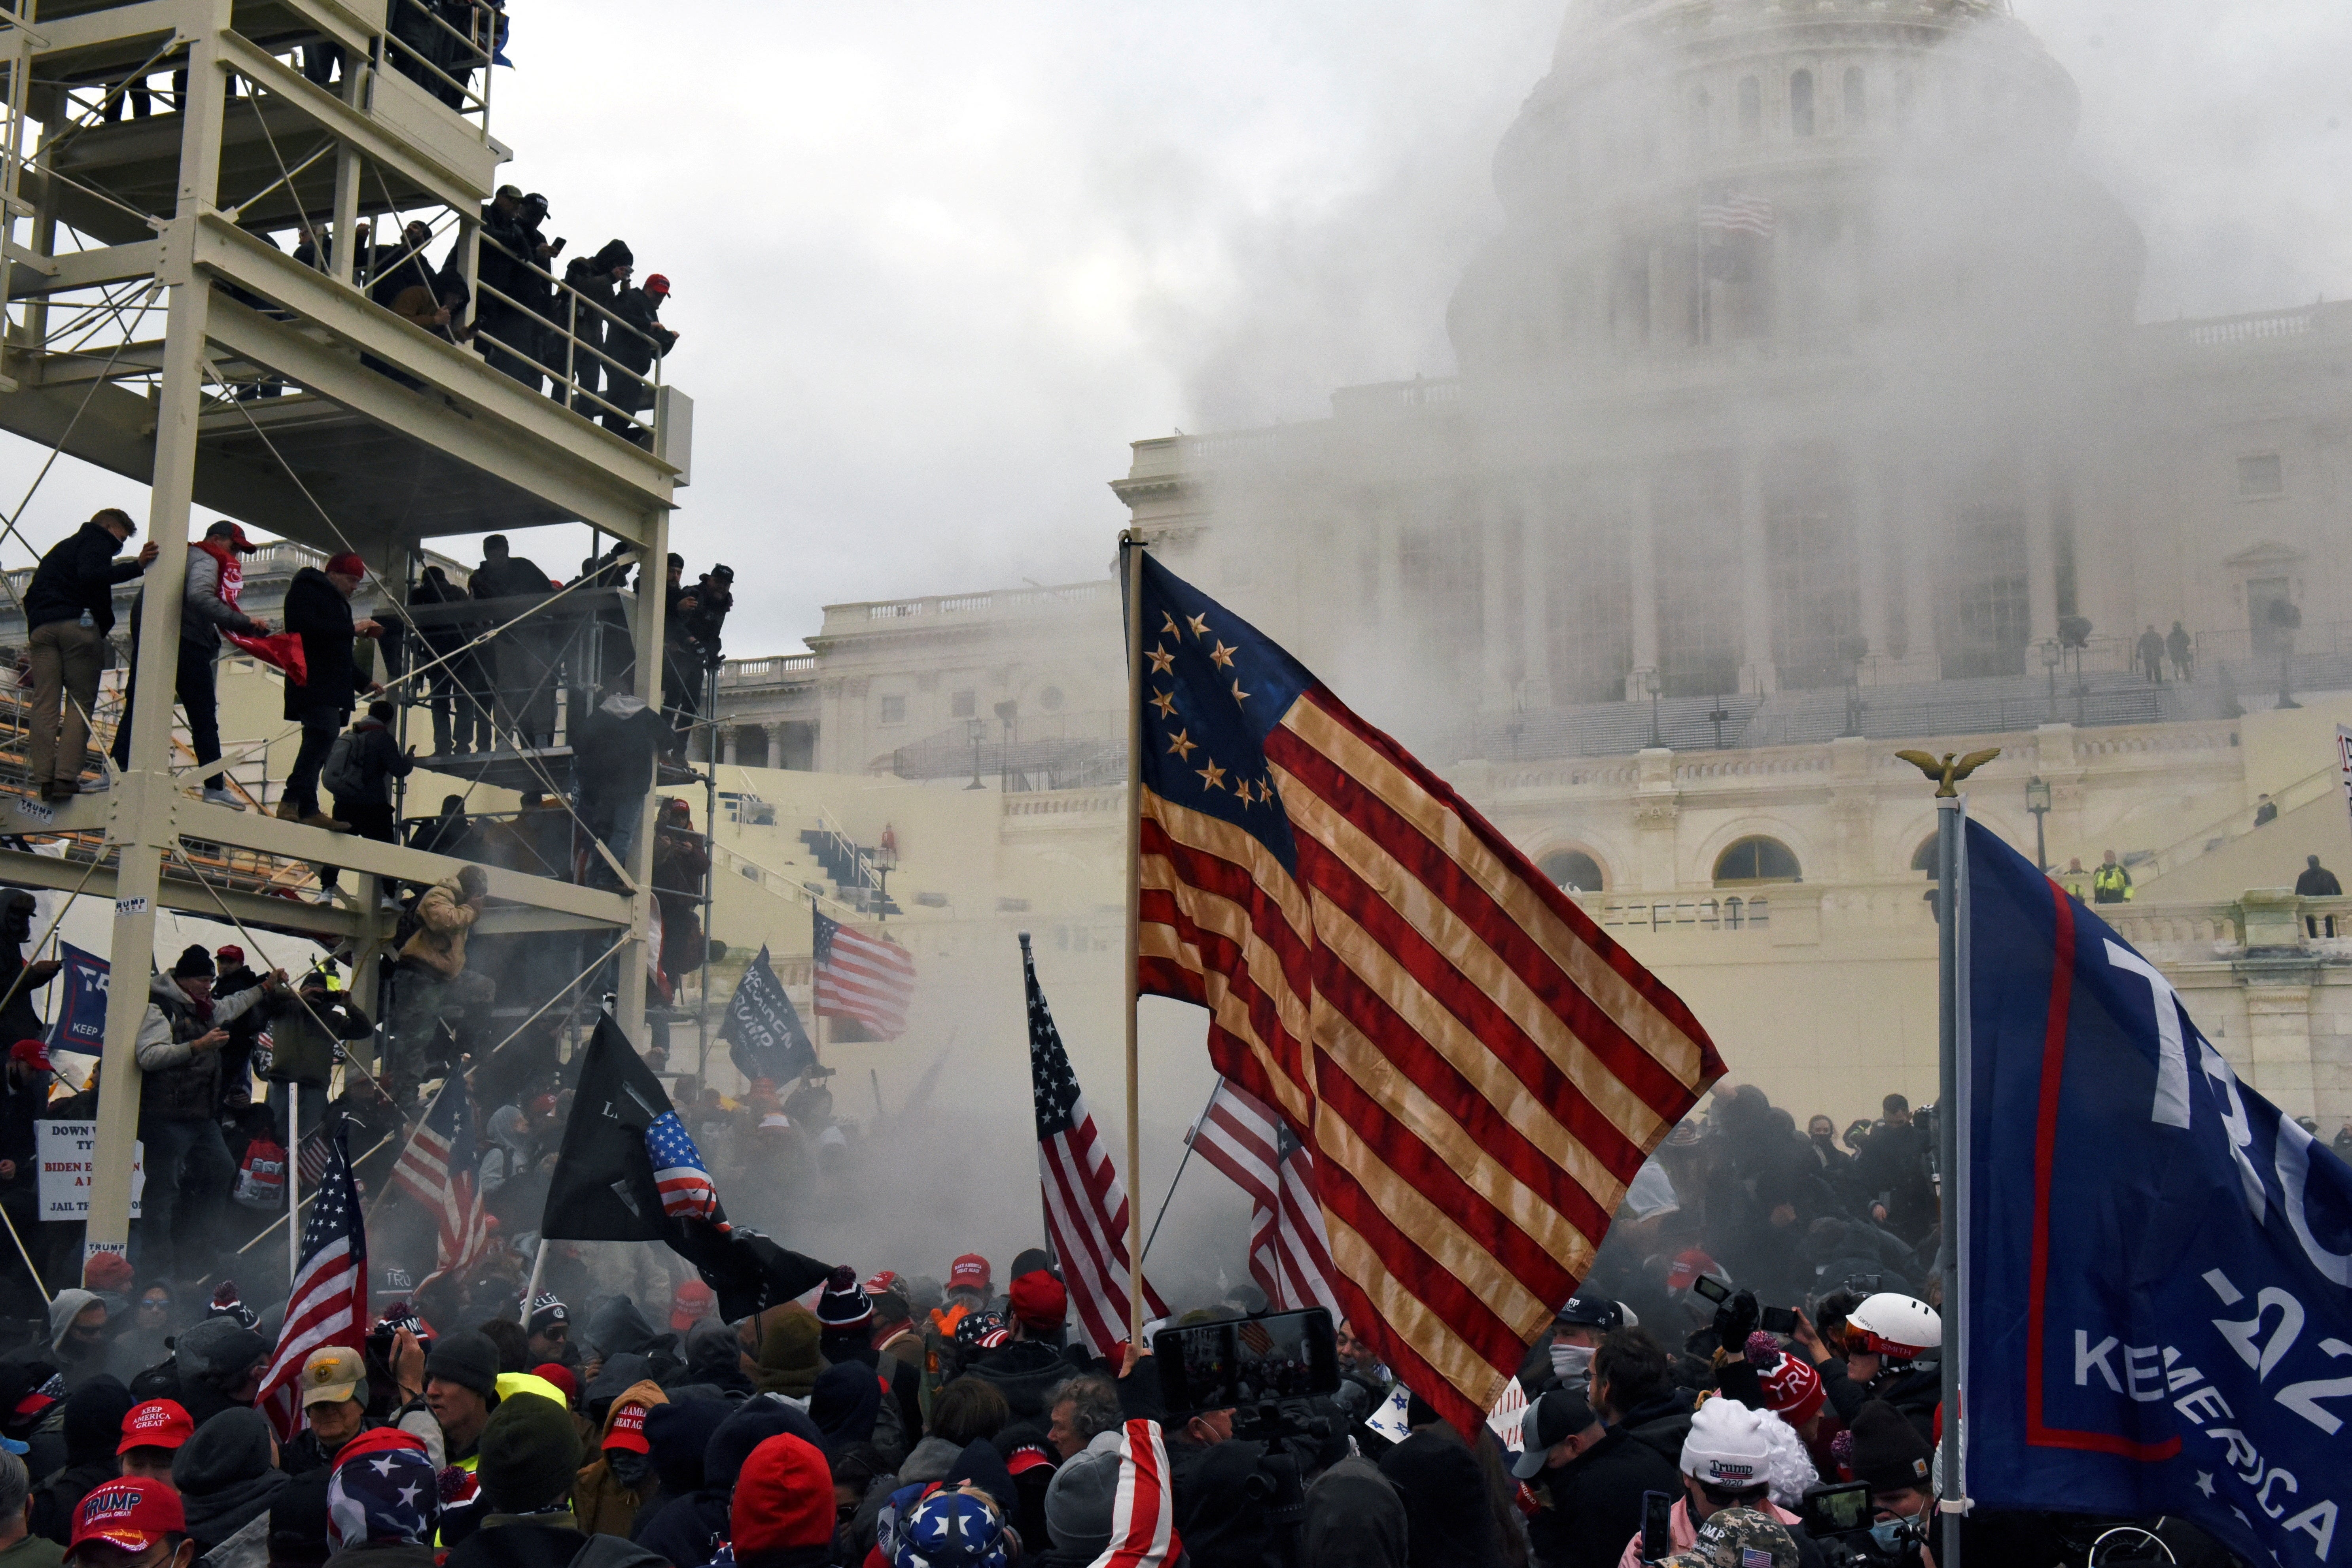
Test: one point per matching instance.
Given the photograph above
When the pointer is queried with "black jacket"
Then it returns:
(323, 618)
(76, 574)
(505, 579)
(614, 756)
(1915, 1389)
(379, 759)
(648, 340)
(1662, 1422)
(1024, 1372)
(1591, 1505)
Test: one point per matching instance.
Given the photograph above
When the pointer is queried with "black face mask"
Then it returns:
(631, 1469)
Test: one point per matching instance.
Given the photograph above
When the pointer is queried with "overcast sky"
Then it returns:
(937, 264)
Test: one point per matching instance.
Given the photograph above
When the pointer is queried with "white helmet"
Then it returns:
(1894, 1326)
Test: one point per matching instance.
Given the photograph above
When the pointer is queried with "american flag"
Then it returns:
(1143, 1512)
(687, 1192)
(862, 976)
(1736, 214)
(328, 1303)
(1085, 1204)
(1478, 1069)
(439, 1169)
(313, 1159)
(1289, 1256)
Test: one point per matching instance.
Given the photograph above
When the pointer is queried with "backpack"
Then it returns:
(343, 777)
(261, 1180)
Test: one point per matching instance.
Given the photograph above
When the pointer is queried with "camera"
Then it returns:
(1844, 1523)
(1247, 1362)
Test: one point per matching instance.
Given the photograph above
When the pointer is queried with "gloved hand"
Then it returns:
(1735, 1319)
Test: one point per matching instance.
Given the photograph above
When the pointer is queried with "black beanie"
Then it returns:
(530, 1454)
(193, 961)
(1888, 1452)
(93, 1419)
(468, 1360)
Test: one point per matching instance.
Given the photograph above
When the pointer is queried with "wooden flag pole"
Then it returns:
(1131, 558)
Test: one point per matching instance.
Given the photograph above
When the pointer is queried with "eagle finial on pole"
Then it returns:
(1949, 769)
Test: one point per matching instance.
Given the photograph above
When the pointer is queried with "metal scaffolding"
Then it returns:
(282, 395)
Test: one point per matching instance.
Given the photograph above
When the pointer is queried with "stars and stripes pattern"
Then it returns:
(862, 976)
(1732, 214)
(440, 1168)
(312, 1161)
(1086, 1203)
(1143, 1513)
(1476, 1070)
(1289, 1256)
(686, 1190)
(328, 1303)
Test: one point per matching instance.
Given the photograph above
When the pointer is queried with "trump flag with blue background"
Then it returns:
(2160, 1269)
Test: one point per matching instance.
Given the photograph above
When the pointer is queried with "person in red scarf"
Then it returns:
(208, 609)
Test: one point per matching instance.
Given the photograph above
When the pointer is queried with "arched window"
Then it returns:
(1857, 101)
(1702, 117)
(1756, 860)
(1800, 103)
(1924, 857)
(1574, 870)
(1752, 109)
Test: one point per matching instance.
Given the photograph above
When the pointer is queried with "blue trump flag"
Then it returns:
(80, 1022)
(2159, 1266)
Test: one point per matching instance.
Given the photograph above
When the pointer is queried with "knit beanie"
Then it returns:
(1079, 1498)
(843, 1304)
(193, 961)
(530, 1454)
(1793, 1389)
(1888, 1451)
(468, 1360)
(783, 1497)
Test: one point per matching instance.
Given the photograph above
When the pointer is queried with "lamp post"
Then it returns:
(2051, 653)
(1653, 683)
(884, 861)
(2037, 801)
(978, 730)
(1006, 713)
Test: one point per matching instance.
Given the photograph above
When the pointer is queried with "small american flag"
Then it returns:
(1736, 214)
(328, 1303)
(313, 1161)
(1086, 1204)
(438, 1170)
(1290, 1254)
(862, 976)
(687, 1192)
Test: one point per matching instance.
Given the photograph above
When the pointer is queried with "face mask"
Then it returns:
(1891, 1535)
(1571, 1363)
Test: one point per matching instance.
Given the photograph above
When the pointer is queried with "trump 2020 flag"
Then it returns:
(2159, 1273)
(80, 1021)
(763, 1028)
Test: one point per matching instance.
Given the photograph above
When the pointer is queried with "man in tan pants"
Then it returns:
(70, 607)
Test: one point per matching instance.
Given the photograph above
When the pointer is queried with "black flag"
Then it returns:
(764, 1028)
(749, 1272)
(604, 1188)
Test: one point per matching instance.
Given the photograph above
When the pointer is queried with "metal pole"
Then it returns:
(293, 1181)
(1131, 545)
(1179, 1176)
(530, 1292)
(1950, 814)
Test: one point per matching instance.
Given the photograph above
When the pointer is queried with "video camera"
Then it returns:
(1265, 1370)
(1844, 1524)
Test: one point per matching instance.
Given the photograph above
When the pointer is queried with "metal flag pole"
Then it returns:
(1131, 558)
(293, 1182)
(1951, 815)
(1198, 1123)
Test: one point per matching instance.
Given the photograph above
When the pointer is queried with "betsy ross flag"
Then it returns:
(862, 976)
(1736, 214)
(1289, 1256)
(441, 1169)
(685, 1185)
(328, 1303)
(1475, 1068)
(1085, 1204)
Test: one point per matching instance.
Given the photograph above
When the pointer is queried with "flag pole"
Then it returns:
(1951, 812)
(1044, 1204)
(538, 1267)
(1131, 558)
(293, 1182)
(1189, 1138)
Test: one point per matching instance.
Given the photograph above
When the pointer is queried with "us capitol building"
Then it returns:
(1802, 416)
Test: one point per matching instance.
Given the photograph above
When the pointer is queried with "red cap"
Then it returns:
(969, 1272)
(158, 1424)
(1026, 1459)
(883, 1282)
(31, 1405)
(34, 1054)
(692, 1303)
(561, 1377)
(346, 565)
(783, 1497)
(627, 1429)
(105, 1271)
(1040, 1301)
(134, 1513)
(1688, 1266)
(229, 952)
(656, 284)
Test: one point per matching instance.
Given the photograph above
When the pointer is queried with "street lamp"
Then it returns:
(1654, 684)
(978, 730)
(884, 861)
(1006, 712)
(2051, 656)
(2037, 801)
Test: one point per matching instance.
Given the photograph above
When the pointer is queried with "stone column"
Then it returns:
(1534, 581)
(776, 744)
(2278, 1026)
(1916, 507)
(1641, 580)
(1756, 670)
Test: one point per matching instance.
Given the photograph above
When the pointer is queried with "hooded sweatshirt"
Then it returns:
(64, 1309)
(604, 1503)
(93, 1426)
(224, 1476)
(788, 1358)
(1444, 1495)
(1354, 1518)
